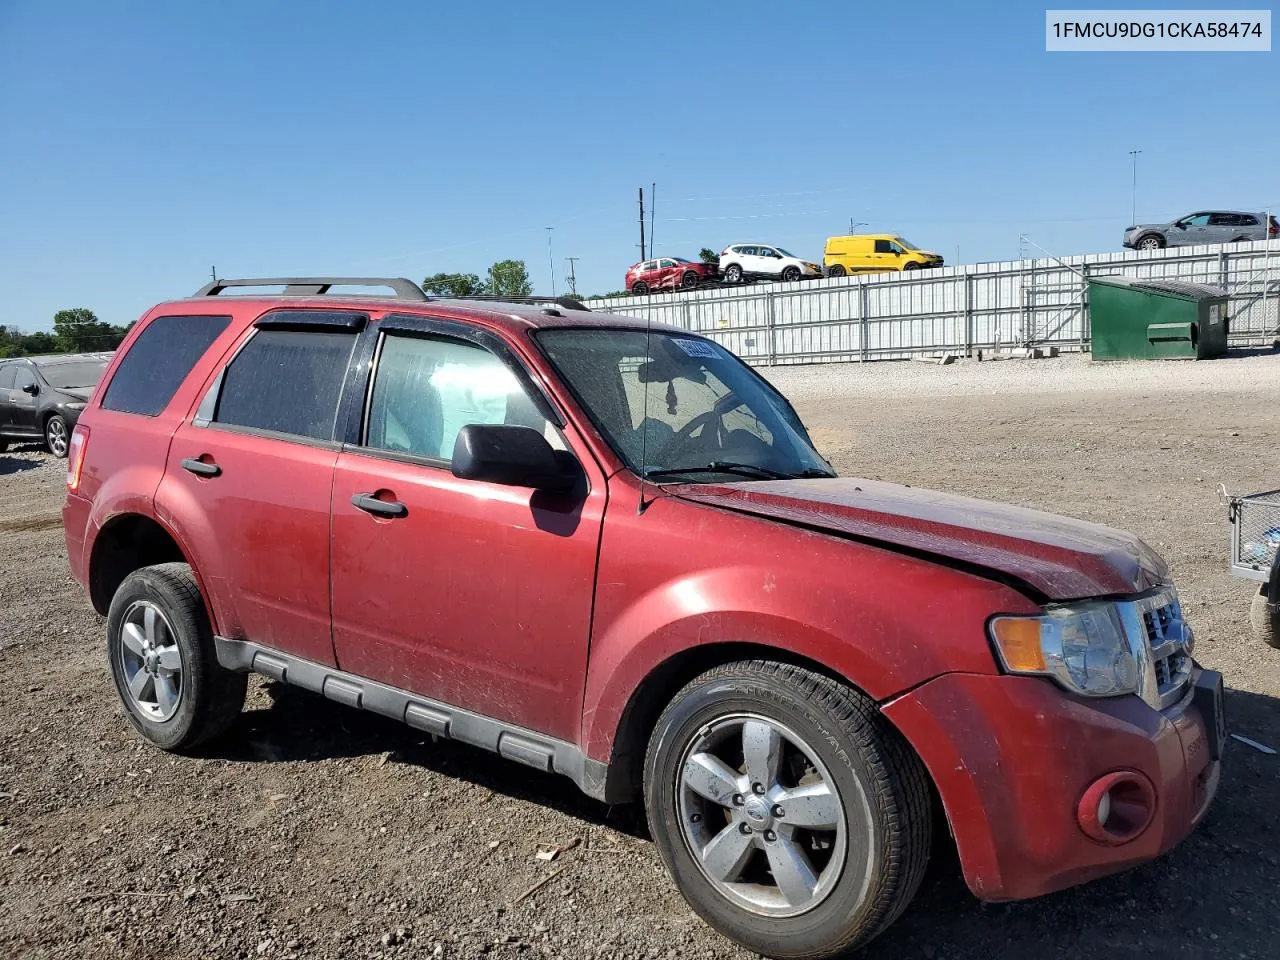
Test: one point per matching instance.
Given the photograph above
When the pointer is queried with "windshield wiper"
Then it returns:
(741, 469)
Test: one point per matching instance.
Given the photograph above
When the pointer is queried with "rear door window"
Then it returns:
(158, 361)
(287, 382)
(1224, 220)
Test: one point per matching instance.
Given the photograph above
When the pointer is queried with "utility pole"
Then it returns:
(551, 262)
(642, 255)
(573, 280)
(653, 213)
(1133, 197)
(853, 226)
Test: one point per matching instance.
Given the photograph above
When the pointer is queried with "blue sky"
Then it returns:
(141, 143)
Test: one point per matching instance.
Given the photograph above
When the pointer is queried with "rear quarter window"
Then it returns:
(158, 361)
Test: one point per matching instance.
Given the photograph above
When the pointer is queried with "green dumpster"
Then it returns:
(1152, 319)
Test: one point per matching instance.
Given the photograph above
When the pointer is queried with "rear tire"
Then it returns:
(733, 273)
(835, 270)
(1151, 241)
(160, 647)
(846, 877)
(57, 438)
(639, 289)
(1264, 618)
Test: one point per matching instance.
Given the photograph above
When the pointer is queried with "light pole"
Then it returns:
(551, 262)
(1133, 197)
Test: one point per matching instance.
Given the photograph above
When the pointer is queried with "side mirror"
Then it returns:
(31, 388)
(512, 455)
(1180, 225)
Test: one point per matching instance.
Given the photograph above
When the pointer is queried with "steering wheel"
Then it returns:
(684, 438)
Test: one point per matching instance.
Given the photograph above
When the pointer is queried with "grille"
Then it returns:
(1168, 641)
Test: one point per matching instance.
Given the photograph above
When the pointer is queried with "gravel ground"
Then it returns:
(316, 831)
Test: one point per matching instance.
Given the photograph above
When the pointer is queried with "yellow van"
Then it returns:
(874, 253)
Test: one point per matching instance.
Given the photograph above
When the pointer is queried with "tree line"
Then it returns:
(75, 330)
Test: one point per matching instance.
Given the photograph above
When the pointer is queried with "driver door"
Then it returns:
(23, 405)
(1197, 230)
(476, 595)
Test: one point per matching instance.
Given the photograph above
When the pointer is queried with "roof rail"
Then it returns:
(316, 286)
(569, 303)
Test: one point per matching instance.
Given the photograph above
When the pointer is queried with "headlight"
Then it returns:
(1083, 647)
(77, 405)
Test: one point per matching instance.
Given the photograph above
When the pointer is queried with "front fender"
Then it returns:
(883, 621)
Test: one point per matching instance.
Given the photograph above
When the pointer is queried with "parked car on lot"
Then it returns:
(1214, 226)
(41, 397)
(869, 253)
(667, 273)
(471, 517)
(758, 261)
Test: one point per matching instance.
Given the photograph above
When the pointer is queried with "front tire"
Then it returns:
(57, 438)
(911, 265)
(639, 289)
(689, 280)
(793, 818)
(790, 274)
(161, 650)
(1151, 242)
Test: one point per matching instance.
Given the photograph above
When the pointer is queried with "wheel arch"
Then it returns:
(650, 697)
(126, 543)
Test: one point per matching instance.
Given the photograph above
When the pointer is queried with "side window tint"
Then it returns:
(884, 246)
(287, 381)
(158, 361)
(23, 377)
(1248, 221)
(7, 371)
(425, 390)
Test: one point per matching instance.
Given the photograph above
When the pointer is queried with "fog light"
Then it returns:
(1117, 807)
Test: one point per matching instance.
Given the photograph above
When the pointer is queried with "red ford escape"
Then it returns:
(612, 552)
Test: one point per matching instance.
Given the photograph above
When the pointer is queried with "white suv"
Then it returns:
(741, 261)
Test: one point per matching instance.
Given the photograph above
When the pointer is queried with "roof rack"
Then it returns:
(316, 286)
(569, 303)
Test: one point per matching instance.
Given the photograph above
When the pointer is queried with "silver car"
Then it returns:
(1209, 226)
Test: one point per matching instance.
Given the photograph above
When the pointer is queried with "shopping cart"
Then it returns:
(1255, 555)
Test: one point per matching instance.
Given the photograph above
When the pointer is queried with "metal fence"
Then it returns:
(957, 310)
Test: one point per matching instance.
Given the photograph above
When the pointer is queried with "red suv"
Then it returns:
(667, 273)
(613, 552)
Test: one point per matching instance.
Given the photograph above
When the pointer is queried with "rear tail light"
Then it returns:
(75, 456)
(1273, 230)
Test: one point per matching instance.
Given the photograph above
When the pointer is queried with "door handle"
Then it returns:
(201, 468)
(379, 508)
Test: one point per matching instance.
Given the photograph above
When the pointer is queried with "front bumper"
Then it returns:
(1012, 756)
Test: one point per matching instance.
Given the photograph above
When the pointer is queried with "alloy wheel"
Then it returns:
(152, 661)
(760, 815)
(55, 432)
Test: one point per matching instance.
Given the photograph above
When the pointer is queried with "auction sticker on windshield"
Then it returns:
(696, 348)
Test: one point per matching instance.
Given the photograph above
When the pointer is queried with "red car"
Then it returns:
(475, 518)
(667, 273)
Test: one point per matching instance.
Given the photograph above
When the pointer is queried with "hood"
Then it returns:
(1049, 557)
(79, 393)
(1148, 226)
(928, 253)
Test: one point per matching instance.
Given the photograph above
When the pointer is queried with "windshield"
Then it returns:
(905, 243)
(681, 260)
(686, 409)
(80, 373)
(786, 253)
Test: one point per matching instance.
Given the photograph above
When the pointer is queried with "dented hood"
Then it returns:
(1054, 557)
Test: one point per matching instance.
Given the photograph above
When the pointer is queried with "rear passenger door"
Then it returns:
(475, 595)
(252, 473)
(7, 371)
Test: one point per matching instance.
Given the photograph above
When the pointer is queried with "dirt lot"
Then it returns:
(316, 831)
